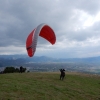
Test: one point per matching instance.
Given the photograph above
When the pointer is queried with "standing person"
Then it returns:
(62, 75)
(21, 69)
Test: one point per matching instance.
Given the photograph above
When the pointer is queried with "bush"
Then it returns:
(9, 70)
(12, 70)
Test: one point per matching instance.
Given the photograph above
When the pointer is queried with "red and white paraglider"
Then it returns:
(42, 30)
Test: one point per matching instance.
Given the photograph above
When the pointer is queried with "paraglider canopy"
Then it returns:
(42, 30)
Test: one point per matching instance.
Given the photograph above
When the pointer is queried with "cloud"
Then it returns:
(76, 24)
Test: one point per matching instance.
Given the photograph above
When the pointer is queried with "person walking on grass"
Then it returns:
(62, 75)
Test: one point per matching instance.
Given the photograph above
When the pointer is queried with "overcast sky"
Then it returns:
(76, 24)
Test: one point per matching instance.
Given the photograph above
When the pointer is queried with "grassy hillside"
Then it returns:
(47, 86)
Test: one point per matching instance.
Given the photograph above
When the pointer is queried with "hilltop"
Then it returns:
(47, 86)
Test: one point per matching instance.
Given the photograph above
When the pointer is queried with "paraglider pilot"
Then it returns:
(62, 75)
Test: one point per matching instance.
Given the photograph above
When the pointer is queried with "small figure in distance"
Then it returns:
(62, 75)
(21, 69)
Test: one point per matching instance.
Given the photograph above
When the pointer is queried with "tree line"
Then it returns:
(13, 70)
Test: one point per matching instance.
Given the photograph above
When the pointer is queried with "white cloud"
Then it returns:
(76, 24)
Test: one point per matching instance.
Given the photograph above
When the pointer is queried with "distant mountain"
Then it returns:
(43, 63)
(17, 60)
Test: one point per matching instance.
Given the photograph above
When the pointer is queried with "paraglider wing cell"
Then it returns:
(47, 33)
(29, 43)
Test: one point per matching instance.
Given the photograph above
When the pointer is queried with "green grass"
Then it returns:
(47, 86)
